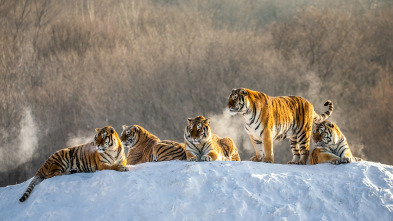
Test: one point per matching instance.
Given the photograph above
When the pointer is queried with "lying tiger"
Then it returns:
(203, 145)
(105, 153)
(146, 147)
(332, 146)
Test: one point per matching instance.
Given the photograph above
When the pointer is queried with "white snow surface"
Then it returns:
(180, 190)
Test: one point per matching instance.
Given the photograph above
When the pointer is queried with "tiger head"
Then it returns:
(130, 135)
(325, 134)
(237, 101)
(106, 139)
(198, 130)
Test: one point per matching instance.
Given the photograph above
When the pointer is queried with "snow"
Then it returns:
(180, 190)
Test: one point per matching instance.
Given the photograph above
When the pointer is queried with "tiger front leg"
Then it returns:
(117, 167)
(268, 147)
(346, 156)
(211, 156)
(258, 157)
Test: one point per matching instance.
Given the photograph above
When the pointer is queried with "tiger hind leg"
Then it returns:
(321, 155)
(295, 150)
(304, 143)
(235, 157)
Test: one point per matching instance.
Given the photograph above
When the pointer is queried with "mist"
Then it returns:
(225, 125)
(77, 140)
(21, 150)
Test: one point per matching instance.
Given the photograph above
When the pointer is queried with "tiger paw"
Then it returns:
(124, 169)
(335, 162)
(267, 160)
(346, 160)
(192, 158)
(206, 158)
(256, 158)
(302, 161)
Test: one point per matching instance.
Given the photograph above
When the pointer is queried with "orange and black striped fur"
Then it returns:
(332, 146)
(145, 147)
(203, 145)
(105, 153)
(276, 118)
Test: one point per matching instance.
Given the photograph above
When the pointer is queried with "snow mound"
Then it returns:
(180, 190)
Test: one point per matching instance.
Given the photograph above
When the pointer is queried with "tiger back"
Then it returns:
(105, 153)
(203, 145)
(169, 150)
(146, 147)
(331, 145)
(276, 118)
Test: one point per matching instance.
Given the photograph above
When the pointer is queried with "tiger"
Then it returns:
(276, 118)
(146, 147)
(332, 145)
(104, 153)
(203, 145)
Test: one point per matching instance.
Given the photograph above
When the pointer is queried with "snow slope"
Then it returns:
(210, 191)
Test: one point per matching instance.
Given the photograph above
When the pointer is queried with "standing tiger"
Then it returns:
(203, 145)
(146, 147)
(105, 153)
(276, 118)
(332, 146)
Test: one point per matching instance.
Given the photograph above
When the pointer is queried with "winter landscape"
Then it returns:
(70, 66)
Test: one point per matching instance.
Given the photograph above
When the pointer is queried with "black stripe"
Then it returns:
(107, 154)
(261, 132)
(105, 158)
(253, 115)
(257, 142)
(81, 159)
(173, 151)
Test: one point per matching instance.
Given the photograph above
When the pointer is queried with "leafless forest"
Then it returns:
(70, 66)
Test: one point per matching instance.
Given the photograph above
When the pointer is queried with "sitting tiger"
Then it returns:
(276, 118)
(203, 145)
(105, 153)
(146, 147)
(332, 146)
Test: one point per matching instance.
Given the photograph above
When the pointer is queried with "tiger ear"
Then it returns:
(243, 92)
(112, 130)
(98, 130)
(125, 127)
(189, 120)
(207, 121)
(330, 124)
(234, 90)
(134, 128)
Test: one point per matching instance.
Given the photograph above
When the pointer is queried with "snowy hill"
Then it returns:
(210, 191)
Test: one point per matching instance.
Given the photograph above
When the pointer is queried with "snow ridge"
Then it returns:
(180, 190)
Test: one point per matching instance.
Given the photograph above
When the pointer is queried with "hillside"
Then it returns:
(210, 191)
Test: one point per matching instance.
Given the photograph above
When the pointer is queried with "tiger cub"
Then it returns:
(332, 146)
(105, 153)
(146, 147)
(276, 118)
(203, 145)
